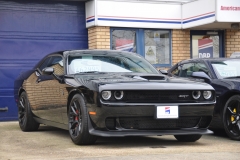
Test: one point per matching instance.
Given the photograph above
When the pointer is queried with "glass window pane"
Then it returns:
(45, 63)
(157, 46)
(207, 49)
(186, 70)
(124, 40)
(57, 64)
(102, 62)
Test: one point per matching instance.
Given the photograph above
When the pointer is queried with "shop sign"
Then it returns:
(205, 48)
(228, 10)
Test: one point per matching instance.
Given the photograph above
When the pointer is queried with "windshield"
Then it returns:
(227, 68)
(106, 63)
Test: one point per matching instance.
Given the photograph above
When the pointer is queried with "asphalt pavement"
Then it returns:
(51, 143)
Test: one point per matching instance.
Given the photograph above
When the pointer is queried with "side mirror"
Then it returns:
(201, 75)
(163, 72)
(48, 71)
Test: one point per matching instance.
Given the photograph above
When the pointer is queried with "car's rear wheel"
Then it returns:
(25, 116)
(231, 117)
(78, 122)
(188, 138)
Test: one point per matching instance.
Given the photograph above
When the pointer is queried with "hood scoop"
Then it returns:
(149, 78)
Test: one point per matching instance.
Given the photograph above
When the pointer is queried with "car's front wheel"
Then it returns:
(78, 122)
(231, 117)
(25, 116)
(188, 138)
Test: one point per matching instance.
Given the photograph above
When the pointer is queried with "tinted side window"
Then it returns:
(176, 71)
(54, 60)
(186, 70)
(45, 63)
(201, 67)
(56, 63)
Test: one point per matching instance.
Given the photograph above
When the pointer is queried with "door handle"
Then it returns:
(5, 109)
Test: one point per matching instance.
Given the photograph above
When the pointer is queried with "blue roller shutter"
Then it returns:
(28, 31)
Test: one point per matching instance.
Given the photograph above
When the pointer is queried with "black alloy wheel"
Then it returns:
(75, 118)
(22, 110)
(78, 122)
(231, 117)
(25, 116)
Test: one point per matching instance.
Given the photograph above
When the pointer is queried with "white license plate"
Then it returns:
(164, 112)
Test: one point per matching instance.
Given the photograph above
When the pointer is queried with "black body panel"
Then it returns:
(224, 87)
(134, 114)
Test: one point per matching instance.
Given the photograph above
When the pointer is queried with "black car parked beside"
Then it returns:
(224, 76)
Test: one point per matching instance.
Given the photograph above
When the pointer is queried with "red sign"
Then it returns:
(124, 44)
(205, 48)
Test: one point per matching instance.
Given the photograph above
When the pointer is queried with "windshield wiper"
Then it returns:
(90, 72)
(232, 77)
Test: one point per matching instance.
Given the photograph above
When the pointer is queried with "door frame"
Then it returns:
(221, 34)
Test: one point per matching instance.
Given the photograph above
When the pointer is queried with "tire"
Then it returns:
(188, 138)
(25, 115)
(231, 117)
(78, 122)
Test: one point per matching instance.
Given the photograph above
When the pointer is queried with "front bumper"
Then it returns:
(124, 133)
(136, 114)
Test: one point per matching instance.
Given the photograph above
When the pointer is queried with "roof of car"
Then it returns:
(95, 51)
(92, 51)
(208, 59)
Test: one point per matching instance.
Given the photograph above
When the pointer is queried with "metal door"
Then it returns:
(28, 31)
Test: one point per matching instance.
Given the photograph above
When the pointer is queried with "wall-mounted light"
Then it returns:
(212, 33)
(235, 25)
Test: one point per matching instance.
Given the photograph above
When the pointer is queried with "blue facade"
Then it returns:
(28, 31)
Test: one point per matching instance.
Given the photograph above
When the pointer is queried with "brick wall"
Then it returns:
(99, 38)
(180, 45)
(232, 42)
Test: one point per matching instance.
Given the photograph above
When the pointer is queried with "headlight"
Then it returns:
(118, 95)
(106, 95)
(207, 94)
(196, 94)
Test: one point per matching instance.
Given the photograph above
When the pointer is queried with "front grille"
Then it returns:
(151, 96)
(159, 96)
(149, 123)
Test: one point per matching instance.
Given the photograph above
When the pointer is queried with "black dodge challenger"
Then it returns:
(111, 93)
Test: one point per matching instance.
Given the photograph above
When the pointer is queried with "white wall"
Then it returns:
(138, 14)
(90, 14)
(198, 13)
(228, 10)
(149, 14)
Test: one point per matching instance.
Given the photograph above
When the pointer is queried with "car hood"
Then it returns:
(235, 80)
(136, 81)
(231, 84)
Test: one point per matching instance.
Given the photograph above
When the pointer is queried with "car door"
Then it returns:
(48, 90)
(32, 88)
(185, 70)
(182, 70)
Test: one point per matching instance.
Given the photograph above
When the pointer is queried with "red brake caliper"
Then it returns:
(76, 118)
